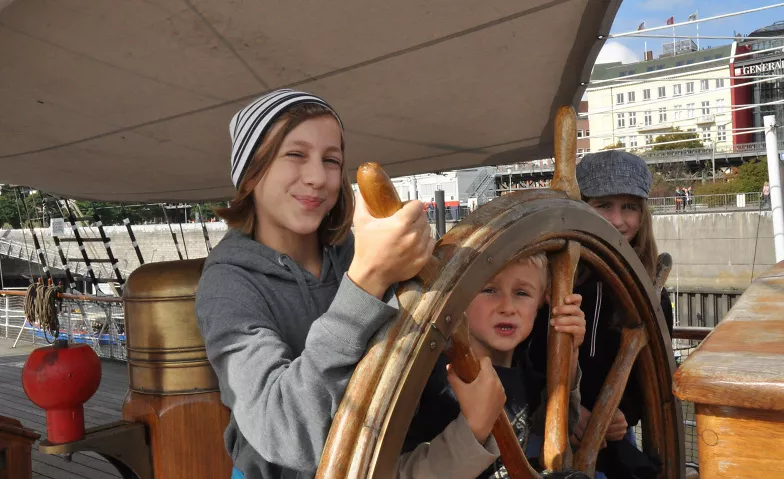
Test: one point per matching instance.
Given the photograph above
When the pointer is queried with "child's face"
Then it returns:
(303, 182)
(502, 314)
(622, 211)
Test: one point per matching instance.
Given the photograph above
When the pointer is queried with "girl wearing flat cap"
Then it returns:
(289, 299)
(616, 184)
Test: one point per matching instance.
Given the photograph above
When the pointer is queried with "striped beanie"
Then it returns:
(249, 125)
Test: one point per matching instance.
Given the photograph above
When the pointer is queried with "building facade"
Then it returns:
(689, 91)
(749, 70)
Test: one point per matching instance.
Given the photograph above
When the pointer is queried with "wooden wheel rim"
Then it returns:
(473, 252)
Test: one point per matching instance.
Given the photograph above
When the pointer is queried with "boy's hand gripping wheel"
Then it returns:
(383, 201)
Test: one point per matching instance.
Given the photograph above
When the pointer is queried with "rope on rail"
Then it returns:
(41, 307)
(29, 305)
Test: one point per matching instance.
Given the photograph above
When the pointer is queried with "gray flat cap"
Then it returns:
(613, 172)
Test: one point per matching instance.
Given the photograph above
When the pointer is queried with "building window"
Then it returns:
(662, 114)
(579, 133)
(706, 133)
(587, 133)
(676, 114)
(662, 93)
(676, 90)
(646, 94)
(722, 133)
(706, 108)
(704, 86)
(690, 88)
(720, 106)
(621, 119)
(631, 97)
(720, 83)
(622, 141)
(690, 110)
(619, 99)
(648, 139)
(647, 118)
(580, 152)
(632, 119)
(632, 141)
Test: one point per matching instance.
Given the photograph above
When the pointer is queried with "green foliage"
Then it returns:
(719, 188)
(17, 203)
(676, 134)
(613, 147)
(753, 175)
(748, 178)
(8, 213)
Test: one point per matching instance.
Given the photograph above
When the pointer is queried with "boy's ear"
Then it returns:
(547, 296)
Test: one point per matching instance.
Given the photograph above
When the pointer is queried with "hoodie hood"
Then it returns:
(240, 250)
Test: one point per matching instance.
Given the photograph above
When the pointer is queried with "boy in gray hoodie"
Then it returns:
(289, 299)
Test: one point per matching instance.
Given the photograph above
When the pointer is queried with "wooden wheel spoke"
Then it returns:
(632, 342)
(559, 363)
(562, 268)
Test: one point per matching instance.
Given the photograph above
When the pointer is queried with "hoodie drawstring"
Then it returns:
(336, 266)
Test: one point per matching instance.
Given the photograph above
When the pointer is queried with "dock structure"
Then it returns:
(104, 407)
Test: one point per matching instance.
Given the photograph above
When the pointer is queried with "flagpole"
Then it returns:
(673, 34)
(698, 29)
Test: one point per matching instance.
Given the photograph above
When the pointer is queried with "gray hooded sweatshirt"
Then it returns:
(283, 344)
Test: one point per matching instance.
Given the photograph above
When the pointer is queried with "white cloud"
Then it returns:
(617, 52)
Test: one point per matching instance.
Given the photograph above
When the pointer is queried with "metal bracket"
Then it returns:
(122, 443)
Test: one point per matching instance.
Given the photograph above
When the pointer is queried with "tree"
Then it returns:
(753, 175)
(9, 216)
(662, 142)
(747, 178)
(659, 187)
(613, 147)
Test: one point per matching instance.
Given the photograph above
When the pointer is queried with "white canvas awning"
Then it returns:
(131, 100)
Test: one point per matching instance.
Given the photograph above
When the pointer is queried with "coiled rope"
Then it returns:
(41, 307)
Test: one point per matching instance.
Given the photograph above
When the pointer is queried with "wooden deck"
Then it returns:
(104, 407)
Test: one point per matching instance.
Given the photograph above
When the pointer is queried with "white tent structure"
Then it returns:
(130, 100)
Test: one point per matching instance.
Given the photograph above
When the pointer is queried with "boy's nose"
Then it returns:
(505, 307)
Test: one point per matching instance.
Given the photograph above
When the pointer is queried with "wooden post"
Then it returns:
(562, 269)
(16, 444)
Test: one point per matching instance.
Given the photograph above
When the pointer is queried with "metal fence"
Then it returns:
(706, 203)
(99, 323)
(682, 349)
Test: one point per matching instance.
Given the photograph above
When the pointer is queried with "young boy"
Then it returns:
(450, 434)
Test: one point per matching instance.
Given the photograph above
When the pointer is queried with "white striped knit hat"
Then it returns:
(250, 124)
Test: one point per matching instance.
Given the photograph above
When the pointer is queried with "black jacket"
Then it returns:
(598, 351)
(438, 407)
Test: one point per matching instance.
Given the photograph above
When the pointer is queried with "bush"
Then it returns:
(749, 178)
